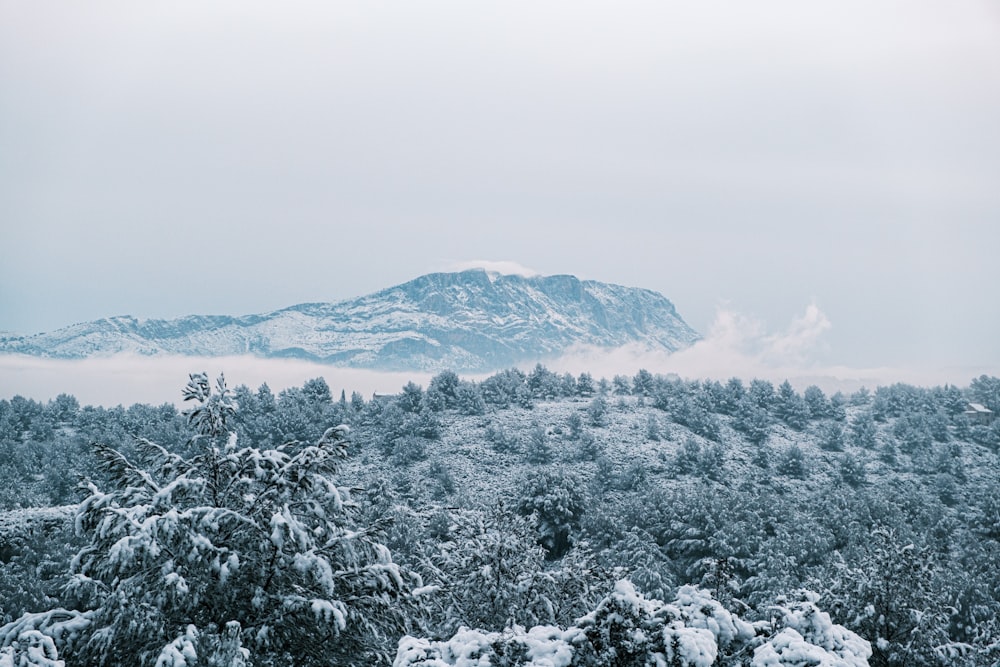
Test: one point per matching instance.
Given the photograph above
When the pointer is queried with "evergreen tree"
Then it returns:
(816, 402)
(411, 398)
(238, 551)
(575, 424)
(469, 399)
(642, 383)
(590, 447)
(891, 596)
(753, 421)
(621, 385)
(597, 412)
(852, 470)
(831, 437)
(543, 383)
(790, 407)
(653, 429)
(557, 501)
(792, 463)
(492, 573)
(761, 392)
(863, 430)
(732, 397)
(444, 389)
(539, 451)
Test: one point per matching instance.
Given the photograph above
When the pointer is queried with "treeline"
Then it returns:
(35, 435)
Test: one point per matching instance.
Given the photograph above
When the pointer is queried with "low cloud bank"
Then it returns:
(128, 379)
(736, 346)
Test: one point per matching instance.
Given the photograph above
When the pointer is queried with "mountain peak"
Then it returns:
(475, 320)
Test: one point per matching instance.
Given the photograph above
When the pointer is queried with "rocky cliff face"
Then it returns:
(471, 321)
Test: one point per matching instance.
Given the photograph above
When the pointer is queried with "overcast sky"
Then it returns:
(159, 159)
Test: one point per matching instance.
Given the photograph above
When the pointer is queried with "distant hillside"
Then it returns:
(471, 321)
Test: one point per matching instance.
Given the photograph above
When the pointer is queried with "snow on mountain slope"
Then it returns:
(472, 321)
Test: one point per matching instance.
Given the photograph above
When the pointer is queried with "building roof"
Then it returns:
(978, 408)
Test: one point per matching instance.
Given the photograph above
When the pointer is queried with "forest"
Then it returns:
(529, 518)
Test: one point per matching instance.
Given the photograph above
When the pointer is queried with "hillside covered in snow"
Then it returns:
(527, 519)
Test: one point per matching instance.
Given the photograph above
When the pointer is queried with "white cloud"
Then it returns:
(740, 346)
(128, 379)
(505, 267)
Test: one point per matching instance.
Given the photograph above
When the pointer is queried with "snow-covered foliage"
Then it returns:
(541, 646)
(898, 606)
(885, 502)
(808, 637)
(67, 628)
(627, 629)
(236, 550)
(31, 649)
(491, 572)
(556, 501)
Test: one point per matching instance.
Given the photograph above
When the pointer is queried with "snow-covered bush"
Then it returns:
(238, 551)
(31, 649)
(541, 646)
(626, 630)
(807, 636)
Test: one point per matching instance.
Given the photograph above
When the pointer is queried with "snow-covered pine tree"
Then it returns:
(557, 501)
(489, 571)
(236, 554)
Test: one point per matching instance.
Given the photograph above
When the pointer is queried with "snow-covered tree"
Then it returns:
(762, 393)
(539, 448)
(469, 399)
(557, 501)
(653, 429)
(575, 424)
(621, 385)
(443, 389)
(642, 383)
(752, 420)
(543, 383)
(792, 462)
(235, 551)
(790, 407)
(831, 437)
(506, 388)
(817, 403)
(893, 597)
(597, 412)
(490, 572)
(863, 431)
(411, 397)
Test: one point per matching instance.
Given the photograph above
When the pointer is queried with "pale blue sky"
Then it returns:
(165, 158)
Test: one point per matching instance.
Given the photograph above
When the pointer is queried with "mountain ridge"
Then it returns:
(470, 321)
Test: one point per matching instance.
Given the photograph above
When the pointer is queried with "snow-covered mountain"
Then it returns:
(470, 321)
